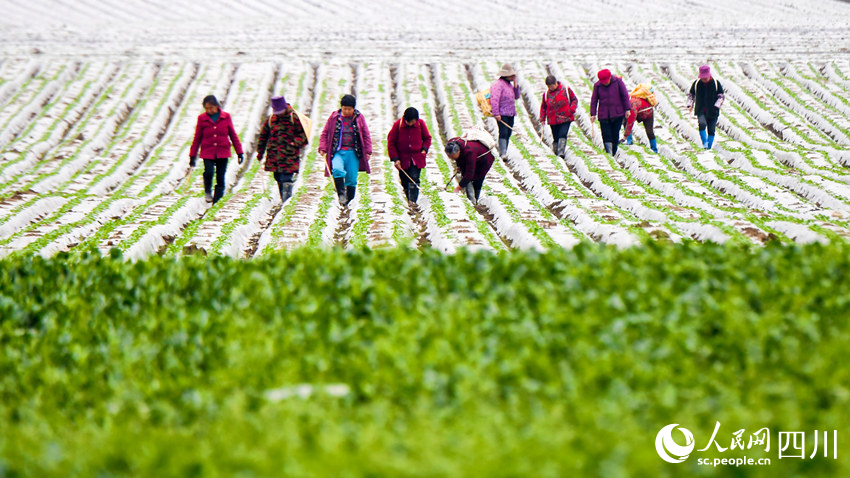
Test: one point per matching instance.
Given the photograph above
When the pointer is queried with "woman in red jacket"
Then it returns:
(407, 144)
(559, 110)
(214, 134)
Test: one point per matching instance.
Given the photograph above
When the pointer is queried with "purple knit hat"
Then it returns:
(278, 104)
(704, 72)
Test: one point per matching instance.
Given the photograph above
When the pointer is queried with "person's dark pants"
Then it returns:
(505, 127)
(411, 188)
(707, 123)
(477, 185)
(649, 126)
(611, 131)
(285, 182)
(559, 132)
(217, 168)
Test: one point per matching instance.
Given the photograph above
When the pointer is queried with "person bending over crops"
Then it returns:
(706, 97)
(641, 111)
(610, 99)
(407, 144)
(503, 95)
(558, 108)
(347, 146)
(281, 138)
(473, 160)
(214, 136)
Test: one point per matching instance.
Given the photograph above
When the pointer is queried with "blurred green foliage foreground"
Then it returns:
(405, 363)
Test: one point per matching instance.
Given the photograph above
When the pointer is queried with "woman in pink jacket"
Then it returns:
(347, 146)
(214, 136)
(407, 144)
(503, 95)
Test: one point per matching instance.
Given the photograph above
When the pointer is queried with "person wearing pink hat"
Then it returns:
(706, 97)
(610, 99)
(281, 139)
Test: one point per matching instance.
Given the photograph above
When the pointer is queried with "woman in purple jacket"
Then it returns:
(611, 99)
(214, 134)
(347, 146)
(503, 95)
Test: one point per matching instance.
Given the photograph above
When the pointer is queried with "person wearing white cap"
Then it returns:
(503, 95)
(281, 138)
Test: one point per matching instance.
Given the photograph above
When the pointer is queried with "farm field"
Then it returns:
(95, 156)
(555, 329)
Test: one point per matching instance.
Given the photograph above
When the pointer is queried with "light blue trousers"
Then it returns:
(345, 165)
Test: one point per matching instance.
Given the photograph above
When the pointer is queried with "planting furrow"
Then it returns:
(16, 75)
(333, 227)
(293, 224)
(33, 149)
(91, 133)
(722, 187)
(99, 133)
(246, 102)
(759, 157)
(446, 218)
(152, 185)
(119, 113)
(32, 107)
(151, 136)
(787, 94)
(387, 224)
(76, 221)
(608, 177)
(817, 188)
(24, 85)
(515, 219)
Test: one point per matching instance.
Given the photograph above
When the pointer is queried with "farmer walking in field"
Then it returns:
(641, 99)
(706, 97)
(214, 136)
(281, 138)
(503, 95)
(347, 146)
(473, 160)
(610, 99)
(407, 144)
(558, 109)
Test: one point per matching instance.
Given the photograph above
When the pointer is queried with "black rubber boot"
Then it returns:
(470, 193)
(286, 191)
(339, 183)
(349, 193)
(412, 192)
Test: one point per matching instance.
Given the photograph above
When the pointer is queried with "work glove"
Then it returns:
(241, 158)
(629, 139)
(193, 160)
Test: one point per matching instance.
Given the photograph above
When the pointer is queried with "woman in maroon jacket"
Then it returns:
(611, 98)
(214, 134)
(558, 109)
(473, 161)
(407, 144)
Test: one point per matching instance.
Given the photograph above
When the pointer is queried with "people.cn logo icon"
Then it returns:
(668, 449)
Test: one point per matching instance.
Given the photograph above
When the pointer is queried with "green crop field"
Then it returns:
(389, 363)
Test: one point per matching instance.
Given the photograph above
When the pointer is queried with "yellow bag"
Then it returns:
(645, 92)
(483, 99)
(306, 123)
